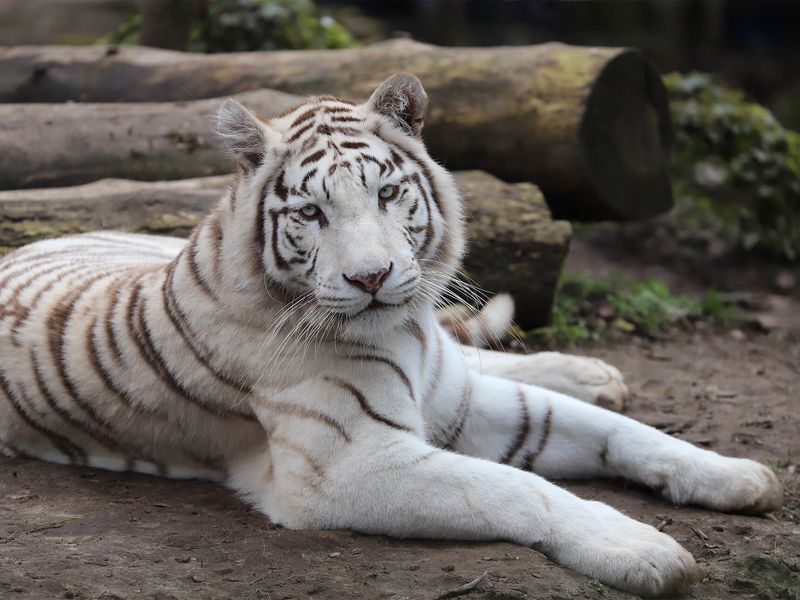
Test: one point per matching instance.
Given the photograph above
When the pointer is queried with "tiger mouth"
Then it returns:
(378, 305)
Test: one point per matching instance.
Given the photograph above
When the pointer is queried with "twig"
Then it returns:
(464, 589)
(10, 537)
(52, 524)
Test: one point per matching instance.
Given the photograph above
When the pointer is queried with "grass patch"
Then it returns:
(595, 310)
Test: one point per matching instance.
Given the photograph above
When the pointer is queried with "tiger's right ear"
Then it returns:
(403, 100)
(241, 134)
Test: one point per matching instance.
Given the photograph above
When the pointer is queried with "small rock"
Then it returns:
(198, 579)
(334, 554)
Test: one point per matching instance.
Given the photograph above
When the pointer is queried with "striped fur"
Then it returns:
(290, 349)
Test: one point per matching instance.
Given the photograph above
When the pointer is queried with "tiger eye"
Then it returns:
(310, 211)
(388, 192)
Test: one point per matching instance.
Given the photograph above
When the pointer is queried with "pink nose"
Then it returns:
(369, 282)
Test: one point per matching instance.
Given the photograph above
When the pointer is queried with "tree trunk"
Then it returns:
(515, 246)
(64, 144)
(590, 126)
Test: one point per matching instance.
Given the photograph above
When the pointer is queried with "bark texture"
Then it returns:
(515, 246)
(590, 126)
(65, 144)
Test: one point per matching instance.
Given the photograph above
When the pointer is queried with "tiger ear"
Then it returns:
(402, 99)
(241, 134)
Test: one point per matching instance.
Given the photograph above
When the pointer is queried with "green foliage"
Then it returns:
(247, 25)
(127, 33)
(244, 25)
(737, 171)
(592, 310)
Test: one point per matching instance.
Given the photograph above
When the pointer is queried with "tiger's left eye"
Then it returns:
(310, 211)
(388, 192)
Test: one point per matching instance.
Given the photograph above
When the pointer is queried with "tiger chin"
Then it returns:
(291, 350)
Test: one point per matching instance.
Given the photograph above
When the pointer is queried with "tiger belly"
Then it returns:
(89, 370)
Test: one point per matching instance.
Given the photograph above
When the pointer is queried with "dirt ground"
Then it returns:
(78, 533)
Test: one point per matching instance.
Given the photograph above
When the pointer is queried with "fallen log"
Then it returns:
(65, 144)
(590, 126)
(515, 246)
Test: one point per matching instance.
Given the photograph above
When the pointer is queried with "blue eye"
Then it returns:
(388, 192)
(310, 212)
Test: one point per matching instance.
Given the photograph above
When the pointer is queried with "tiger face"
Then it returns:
(350, 209)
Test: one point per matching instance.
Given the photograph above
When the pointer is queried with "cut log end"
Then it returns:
(625, 135)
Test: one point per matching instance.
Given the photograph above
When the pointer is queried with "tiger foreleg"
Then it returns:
(561, 437)
(374, 477)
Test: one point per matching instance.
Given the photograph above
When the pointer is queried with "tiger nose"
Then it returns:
(369, 282)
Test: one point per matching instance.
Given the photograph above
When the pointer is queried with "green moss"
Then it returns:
(737, 170)
(592, 310)
(769, 577)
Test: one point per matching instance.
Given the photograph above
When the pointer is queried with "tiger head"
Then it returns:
(351, 213)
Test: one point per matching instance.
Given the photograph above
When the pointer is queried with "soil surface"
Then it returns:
(78, 533)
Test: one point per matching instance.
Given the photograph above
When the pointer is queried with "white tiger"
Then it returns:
(290, 349)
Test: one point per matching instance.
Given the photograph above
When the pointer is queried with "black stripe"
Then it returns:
(108, 324)
(73, 452)
(362, 402)
(529, 461)
(463, 412)
(306, 413)
(280, 262)
(99, 437)
(158, 363)
(312, 158)
(58, 320)
(392, 365)
(522, 433)
(190, 252)
(105, 376)
(354, 145)
(24, 312)
(180, 322)
(303, 117)
(297, 134)
(280, 186)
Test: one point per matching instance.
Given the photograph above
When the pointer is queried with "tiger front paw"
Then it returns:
(625, 554)
(727, 485)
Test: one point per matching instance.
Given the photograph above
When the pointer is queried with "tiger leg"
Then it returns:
(560, 437)
(324, 470)
(585, 378)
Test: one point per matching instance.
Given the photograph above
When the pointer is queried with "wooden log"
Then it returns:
(590, 126)
(515, 246)
(65, 144)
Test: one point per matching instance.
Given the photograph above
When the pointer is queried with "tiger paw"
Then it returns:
(726, 484)
(588, 379)
(624, 553)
